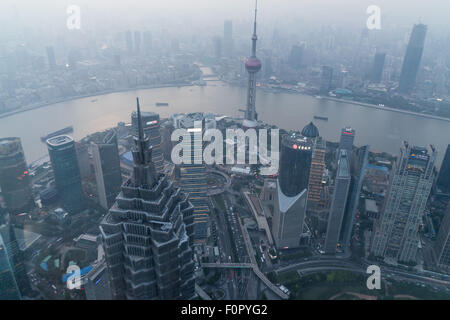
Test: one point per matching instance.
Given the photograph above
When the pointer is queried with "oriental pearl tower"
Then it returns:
(252, 65)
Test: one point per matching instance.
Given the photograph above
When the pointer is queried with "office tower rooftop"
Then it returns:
(148, 232)
(310, 131)
(396, 233)
(15, 184)
(66, 170)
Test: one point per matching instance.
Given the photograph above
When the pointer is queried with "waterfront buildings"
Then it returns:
(338, 203)
(151, 125)
(411, 61)
(148, 232)
(396, 233)
(105, 154)
(64, 161)
(15, 184)
(326, 80)
(292, 190)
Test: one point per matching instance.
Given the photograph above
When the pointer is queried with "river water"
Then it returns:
(382, 130)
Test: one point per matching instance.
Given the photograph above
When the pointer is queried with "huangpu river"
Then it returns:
(382, 130)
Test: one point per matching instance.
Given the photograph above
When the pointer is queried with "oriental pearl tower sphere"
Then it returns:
(252, 65)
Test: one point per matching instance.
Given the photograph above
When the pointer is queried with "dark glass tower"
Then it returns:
(14, 179)
(148, 234)
(413, 55)
(64, 161)
(377, 68)
(13, 260)
(443, 181)
(295, 162)
(108, 176)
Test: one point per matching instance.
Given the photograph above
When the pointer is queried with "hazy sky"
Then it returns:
(135, 13)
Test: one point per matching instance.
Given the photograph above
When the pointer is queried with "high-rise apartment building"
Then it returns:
(106, 159)
(326, 79)
(147, 234)
(338, 203)
(67, 174)
(411, 61)
(396, 233)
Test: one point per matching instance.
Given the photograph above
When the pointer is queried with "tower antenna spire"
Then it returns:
(254, 37)
(140, 129)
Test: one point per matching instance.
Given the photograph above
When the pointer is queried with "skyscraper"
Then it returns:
(129, 41)
(228, 38)
(147, 40)
(137, 41)
(316, 171)
(193, 174)
(326, 79)
(413, 55)
(296, 56)
(217, 41)
(105, 154)
(252, 65)
(358, 164)
(377, 68)
(346, 141)
(151, 126)
(15, 262)
(396, 233)
(443, 180)
(338, 203)
(292, 192)
(9, 290)
(64, 161)
(147, 234)
(15, 184)
(51, 57)
(442, 243)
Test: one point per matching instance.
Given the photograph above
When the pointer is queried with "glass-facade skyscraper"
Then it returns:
(396, 233)
(443, 180)
(15, 184)
(65, 166)
(105, 154)
(413, 55)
